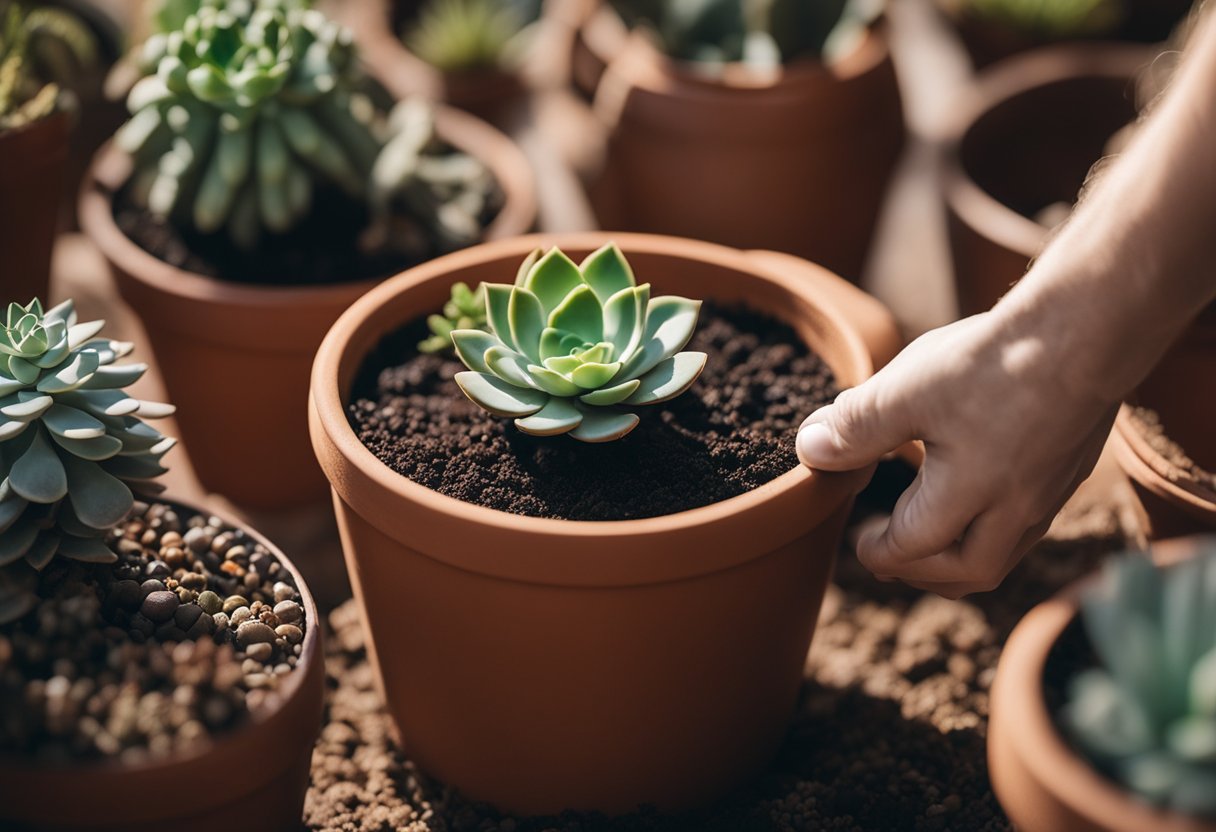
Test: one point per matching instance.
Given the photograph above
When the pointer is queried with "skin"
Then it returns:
(1014, 405)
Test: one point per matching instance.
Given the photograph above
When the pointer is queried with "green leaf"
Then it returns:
(70, 375)
(81, 333)
(607, 272)
(509, 366)
(593, 376)
(113, 378)
(15, 542)
(558, 416)
(99, 499)
(553, 278)
(471, 346)
(622, 321)
(86, 549)
(499, 397)
(95, 449)
(581, 314)
(527, 321)
(610, 395)
(38, 475)
(101, 402)
(25, 405)
(551, 382)
(604, 425)
(669, 378)
(670, 322)
(521, 274)
(71, 423)
(498, 304)
(10, 509)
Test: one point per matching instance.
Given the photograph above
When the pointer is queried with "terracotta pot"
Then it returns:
(799, 163)
(634, 662)
(32, 162)
(1023, 139)
(1182, 391)
(254, 777)
(1171, 503)
(1040, 781)
(235, 358)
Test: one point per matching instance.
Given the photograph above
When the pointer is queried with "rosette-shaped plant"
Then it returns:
(1147, 715)
(465, 310)
(247, 108)
(72, 443)
(571, 348)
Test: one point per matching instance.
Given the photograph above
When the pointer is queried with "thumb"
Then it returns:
(854, 431)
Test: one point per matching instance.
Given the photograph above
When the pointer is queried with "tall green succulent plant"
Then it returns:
(73, 445)
(464, 35)
(1148, 713)
(572, 347)
(41, 51)
(248, 106)
(1049, 19)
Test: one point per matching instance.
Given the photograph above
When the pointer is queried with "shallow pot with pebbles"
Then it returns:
(288, 201)
(598, 585)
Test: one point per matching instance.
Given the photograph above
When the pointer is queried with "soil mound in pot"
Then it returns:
(732, 432)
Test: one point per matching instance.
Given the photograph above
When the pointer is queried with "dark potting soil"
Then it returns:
(732, 432)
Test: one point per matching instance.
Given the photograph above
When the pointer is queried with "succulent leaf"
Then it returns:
(466, 310)
(465, 35)
(568, 345)
(71, 443)
(42, 51)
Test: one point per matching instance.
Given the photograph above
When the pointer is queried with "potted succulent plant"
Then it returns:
(41, 50)
(553, 505)
(995, 29)
(1103, 712)
(471, 54)
(793, 106)
(144, 643)
(260, 187)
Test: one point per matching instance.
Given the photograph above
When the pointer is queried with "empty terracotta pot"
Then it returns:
(32, 163)
(799, 163)
(235, 358)
(1040, 781)
(254, 777)
(1172, 503)
(634, 662)
(1023, 139)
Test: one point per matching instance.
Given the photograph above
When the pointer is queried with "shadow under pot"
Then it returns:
(636, 661)
(798, 163)
(1021, 148)
(235, 357)
(250, 776)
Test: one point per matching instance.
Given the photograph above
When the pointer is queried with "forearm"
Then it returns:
(1138, 260)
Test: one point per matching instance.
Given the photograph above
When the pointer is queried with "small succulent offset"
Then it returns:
(1049, 20)
(246, 108)
(72, 444)
(41, 51)
(466, 35)
(572, 347)
(465, 310)
(1148, 713)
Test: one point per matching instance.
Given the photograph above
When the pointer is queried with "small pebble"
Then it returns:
(160, 606)
(254, 632)
(259, 652)
(291, 632)
(288, 612)
(234, 603)
(210, 602)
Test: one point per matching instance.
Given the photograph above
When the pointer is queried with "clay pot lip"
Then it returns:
(1012, 78)
(1034, 739)
(328, 403)
(1147, 467)
(111, 168)
(13, 768)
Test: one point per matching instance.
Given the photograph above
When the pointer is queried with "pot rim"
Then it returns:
(1035, 740)
(1008, 79)
(111, 168)
(362, 473)
(13, 768)
(1144, 464)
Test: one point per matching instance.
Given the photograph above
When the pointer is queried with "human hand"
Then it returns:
(1008, 438)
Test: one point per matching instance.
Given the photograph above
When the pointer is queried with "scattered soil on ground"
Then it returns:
(733, 431)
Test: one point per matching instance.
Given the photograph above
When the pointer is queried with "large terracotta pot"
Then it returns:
(235, 358)
(634, 662)
(1023, 139)
(32, 163)
(254, 777)
(1040, 781)
(799, 163)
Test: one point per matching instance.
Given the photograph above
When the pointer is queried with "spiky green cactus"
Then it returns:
(247, 108)
(571, 348)
(73, 444)
(464, 35)
(41, 51)
(1147, 715)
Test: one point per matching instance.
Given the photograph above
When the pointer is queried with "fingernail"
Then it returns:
(815, 445)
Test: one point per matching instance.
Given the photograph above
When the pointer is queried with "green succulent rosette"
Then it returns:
(572, 348)
(1147, 713)
(73, 445)
(466, 309)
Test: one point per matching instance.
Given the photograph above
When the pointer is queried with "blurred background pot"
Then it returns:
(235, 357)
(600, 699)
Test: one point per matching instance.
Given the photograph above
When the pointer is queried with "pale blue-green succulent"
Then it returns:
(1147, 714)
(571, 348)
(73, 444)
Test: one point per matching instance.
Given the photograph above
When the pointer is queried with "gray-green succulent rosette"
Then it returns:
(573, 348)
(1147, 714)
(73, 445)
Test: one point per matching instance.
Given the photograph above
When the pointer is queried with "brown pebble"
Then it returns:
(160, 606)
(254, 632)
(288, 612)
(233, 603)
(291, 632)
(260, 652)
